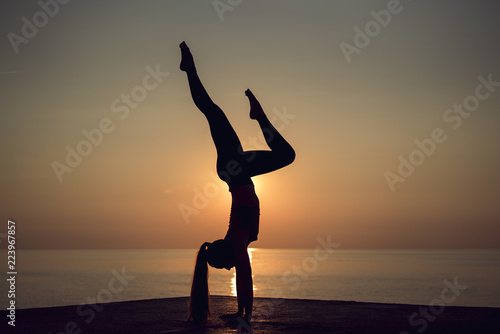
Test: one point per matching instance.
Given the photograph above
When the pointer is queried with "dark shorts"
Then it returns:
(233, 171)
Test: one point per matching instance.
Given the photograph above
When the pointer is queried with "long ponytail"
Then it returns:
(199, 308)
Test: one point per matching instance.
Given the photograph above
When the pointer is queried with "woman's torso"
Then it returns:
(245, 212)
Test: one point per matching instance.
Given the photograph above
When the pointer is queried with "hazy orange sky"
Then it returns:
(369, 93)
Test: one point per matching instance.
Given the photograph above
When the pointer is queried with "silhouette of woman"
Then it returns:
(235, 167)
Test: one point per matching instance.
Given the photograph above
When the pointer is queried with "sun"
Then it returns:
(260, 185)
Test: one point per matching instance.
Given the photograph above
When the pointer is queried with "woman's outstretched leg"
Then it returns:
(281, 154)
(226, 141)
(198, 92)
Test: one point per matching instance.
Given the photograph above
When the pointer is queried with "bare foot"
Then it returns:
(256, 110)
(187, 62)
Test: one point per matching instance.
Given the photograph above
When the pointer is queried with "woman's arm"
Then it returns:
(244, 283)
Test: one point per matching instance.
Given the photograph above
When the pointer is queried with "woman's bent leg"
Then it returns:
(281, 154)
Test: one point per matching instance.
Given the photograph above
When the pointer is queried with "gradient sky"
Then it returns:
(348, 121)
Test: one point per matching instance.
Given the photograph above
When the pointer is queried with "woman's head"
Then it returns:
(220, 254)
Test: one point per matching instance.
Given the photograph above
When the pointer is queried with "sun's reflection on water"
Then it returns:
(233, 280)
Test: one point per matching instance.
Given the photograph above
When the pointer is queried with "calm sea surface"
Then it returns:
(70, 277)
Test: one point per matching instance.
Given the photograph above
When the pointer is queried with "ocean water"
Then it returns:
(72, 277)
